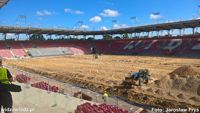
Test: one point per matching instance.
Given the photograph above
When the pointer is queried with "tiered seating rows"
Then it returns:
(103, 108)
(185, 45)
(5, 51)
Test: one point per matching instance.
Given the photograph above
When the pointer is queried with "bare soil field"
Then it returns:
(175, 82)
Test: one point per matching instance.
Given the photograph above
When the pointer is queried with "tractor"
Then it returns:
(138, 78)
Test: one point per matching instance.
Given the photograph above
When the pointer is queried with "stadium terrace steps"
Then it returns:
(76, 51)
(177, 46)
(5, 51)
(103, 46)
(28, 45)
(41, 44)
(158, 46)
(39, 101)
(37, 52)
(16, 49)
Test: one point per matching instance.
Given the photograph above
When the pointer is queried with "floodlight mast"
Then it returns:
(134, 19)
(157, 17)
(113, 23)
(198, 11)
(80, 23)
(21, 18)
(77, 25)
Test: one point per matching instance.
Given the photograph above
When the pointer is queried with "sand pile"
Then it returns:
(184, 79)
(165, 82)
(185, 71)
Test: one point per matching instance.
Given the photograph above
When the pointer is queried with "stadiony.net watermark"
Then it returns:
(19, 109)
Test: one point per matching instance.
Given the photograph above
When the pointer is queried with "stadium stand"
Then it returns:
(82, 45)
(5, 51)
(102, 108)
(76, 51)
(178, 46)
(182, 46)
(17, 49)
(37, 100)
(28, 45)
(103, 46)
(36, 52)
(47, 44)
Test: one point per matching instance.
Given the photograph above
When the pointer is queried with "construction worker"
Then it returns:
(105, 97)
(94, 52)
(5, 96)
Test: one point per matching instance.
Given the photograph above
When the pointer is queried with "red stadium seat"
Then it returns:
(184, 45)
(45, 86)
(102, 108)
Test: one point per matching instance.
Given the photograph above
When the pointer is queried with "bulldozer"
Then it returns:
(138, 78)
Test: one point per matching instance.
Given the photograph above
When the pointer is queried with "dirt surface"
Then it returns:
(168, 87)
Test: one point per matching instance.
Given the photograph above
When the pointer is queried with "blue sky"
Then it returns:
(95, 14)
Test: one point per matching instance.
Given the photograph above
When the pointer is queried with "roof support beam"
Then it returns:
(148, 28)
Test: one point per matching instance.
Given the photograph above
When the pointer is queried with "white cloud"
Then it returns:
(44, 13)
(95, 19)
(55, 27)
(68, 10)
(155, 16)
(118, 26)
(109, 13)
(103, 28)
(84, 26)
(78, 12)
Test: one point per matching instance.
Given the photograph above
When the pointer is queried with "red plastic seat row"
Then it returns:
(45, 86)
(156, 46)
(103, 108)
(21, 78)
(16, 48)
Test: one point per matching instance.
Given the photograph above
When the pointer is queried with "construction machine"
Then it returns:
(138, 78)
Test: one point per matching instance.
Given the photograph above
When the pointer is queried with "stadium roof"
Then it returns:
(146, 28)
(3, 2)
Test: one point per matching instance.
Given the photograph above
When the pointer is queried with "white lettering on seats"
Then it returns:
(197, 46)
(174, 43)
(131, 45)
(150, 44)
